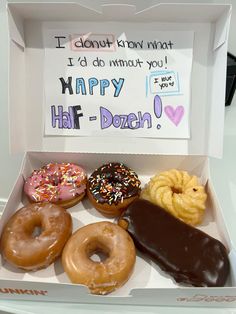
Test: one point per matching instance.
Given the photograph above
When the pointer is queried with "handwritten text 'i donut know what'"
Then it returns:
(108, 42)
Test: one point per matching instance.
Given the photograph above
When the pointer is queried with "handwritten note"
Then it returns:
(122, 82)
(164, 83)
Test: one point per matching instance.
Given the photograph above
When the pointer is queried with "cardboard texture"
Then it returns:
(148, 285)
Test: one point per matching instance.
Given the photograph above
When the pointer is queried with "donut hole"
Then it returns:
(114, 180)
(98, 256)
(113, 185)
(97, 252)
(116, 183)
(176, 190)
(55, 180)
(37, 230)
(34, 228)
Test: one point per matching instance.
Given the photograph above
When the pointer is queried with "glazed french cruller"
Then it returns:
(35, 235)
(179, 193)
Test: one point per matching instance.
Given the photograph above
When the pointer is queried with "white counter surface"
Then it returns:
(45, 308)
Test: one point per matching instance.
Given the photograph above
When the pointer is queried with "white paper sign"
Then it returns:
(102, 80)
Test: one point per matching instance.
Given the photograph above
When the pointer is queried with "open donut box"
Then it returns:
(148, 285)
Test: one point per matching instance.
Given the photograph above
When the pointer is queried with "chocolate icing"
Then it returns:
(188, 254)
(113, 182)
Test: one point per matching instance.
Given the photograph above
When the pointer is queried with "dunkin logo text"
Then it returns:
(22, 291)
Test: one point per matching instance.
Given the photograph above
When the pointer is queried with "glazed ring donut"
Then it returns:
(112, 188)
(35, 235)
(62, 184)
(179, 193)
(105, 276)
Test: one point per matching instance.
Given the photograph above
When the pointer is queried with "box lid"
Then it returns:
(210, 23)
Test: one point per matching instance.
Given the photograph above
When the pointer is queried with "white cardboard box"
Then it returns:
(148, 285)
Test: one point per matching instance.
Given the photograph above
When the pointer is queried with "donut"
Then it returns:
(35, 235)
(112, 187)
(109, 274)
(179, 193)
(63, 184)
(187, 254)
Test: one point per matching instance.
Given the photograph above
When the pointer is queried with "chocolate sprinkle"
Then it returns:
(113, 182)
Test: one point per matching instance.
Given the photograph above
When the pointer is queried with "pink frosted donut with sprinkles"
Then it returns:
(112, 188)
(63, 184)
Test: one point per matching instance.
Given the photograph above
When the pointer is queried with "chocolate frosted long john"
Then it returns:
(188, 254)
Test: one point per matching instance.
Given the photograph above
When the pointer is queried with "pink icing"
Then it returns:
(55, 182)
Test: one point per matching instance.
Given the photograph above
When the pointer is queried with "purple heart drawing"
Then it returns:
(175, 115)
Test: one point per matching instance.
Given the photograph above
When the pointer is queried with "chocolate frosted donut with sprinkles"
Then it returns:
(112, 188)
(63, 184)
